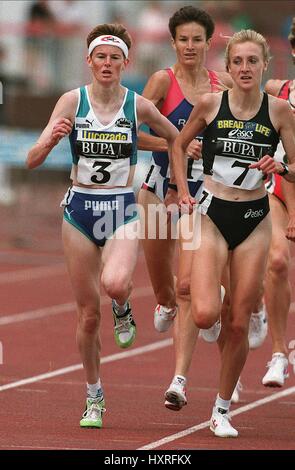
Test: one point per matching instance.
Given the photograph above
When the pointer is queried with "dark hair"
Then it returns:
(191, 14)
(291, 36)
(115, 29)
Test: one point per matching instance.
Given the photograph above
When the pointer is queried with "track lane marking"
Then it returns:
(69, 307)
(75, 367)
(63, 308)
(32, 274)
(205, 424)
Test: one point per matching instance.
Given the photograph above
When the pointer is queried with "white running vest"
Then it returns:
(104, 153)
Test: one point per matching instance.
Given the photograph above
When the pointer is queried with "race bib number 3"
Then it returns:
(103, 171)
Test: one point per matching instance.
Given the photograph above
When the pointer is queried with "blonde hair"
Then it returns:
(247, 35)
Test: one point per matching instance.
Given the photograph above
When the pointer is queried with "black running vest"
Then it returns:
(230, 145)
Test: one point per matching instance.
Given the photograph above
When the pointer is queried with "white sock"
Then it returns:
(168, 309)
(220, 403)
(180, 378)
(94, 390)
(120, 309)
(279, 354)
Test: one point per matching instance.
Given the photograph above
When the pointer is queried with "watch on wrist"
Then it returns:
(285, 169)
(172, 186)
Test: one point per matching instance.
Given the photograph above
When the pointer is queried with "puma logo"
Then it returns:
(68, 213)
(90, 122)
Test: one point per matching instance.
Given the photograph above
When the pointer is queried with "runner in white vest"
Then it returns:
(101, 223)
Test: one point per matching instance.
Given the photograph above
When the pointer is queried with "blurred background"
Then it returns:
(42, 55)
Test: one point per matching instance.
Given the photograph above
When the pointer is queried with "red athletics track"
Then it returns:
(37, 331)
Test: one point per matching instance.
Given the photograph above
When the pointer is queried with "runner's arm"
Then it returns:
(59, 125)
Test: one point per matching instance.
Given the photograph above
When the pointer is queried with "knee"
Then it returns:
(278, 265)
(238, 329)
(89, 319)
(116, 285)
(204, 317)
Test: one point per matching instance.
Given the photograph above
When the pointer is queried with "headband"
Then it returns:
(109, 41)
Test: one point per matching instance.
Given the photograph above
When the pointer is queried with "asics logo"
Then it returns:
(214, 423)
(253, 214)
(240, 134)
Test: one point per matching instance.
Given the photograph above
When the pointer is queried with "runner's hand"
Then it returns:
(267, 165)
(290, 232)
(194, 150)
(187, 203)
(61, 128)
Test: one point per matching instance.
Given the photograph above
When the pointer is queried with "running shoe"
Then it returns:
(211, 335)
(175, 396)
(258, 327)
(92, 416)
(277, 371)
(163, 317)
(235, 398)
(220, 424)
(124, 327)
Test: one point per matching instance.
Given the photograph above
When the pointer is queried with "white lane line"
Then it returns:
(205, 424)
(17, 447)
(32, 273)
(69, 307)
(63, 308)
(41, 272)
(67, 370)
(36, 314)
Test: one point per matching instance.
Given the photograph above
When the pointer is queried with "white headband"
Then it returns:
(110, 41)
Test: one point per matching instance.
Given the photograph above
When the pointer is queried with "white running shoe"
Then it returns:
(175, 396)
(163, 317)
(211, 334)
(258, 327)
(235, 398)
(277, 371)
(220, 425)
